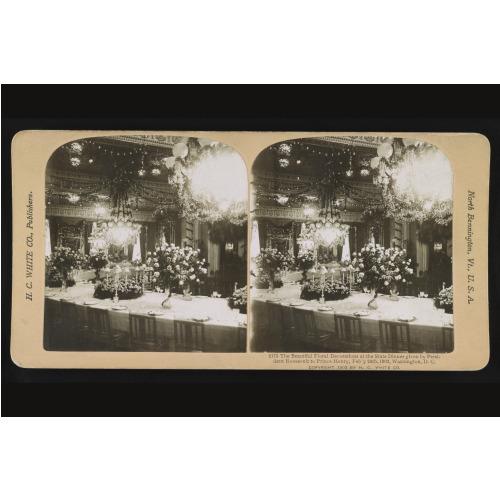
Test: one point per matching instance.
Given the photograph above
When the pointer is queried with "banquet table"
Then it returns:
(431, 330)
(225, 330)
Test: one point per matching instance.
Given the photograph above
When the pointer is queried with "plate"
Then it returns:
(119, 308)
(200, 297)
(407, 319)
(273, 300)
(293, 304)
(50, 294)
(90, 302)
(361, 313)
(325, 308)
(68, 299)
(156, 313)
(200, 319)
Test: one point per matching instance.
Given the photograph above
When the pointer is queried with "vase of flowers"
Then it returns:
(271, 264)
(176, 269)
(122, 288)
(238, 300)
(445, 299)
(304, 262)
(62, 264)
(382, 270)
(98, 260)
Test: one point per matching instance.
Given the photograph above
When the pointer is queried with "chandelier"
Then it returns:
(120, 229)
(328, 230)
(416, 180)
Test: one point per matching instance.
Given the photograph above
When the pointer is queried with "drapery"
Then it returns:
(48, 248)
(136, 253)
(255, 243)
(346, 249)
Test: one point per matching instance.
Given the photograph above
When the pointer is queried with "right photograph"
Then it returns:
(351, 247)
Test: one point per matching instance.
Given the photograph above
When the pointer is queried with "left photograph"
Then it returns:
(146, 246)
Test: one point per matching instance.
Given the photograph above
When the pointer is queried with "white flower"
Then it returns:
(156, 264)
(410, 270)
(204, 271)
(192, 277)
(361, 265)
(403, 280)
(181, 282)
(156, 274)
(382, 268)
(361, 275)
(386, 283)
(398, 277)
(154, 280)
(409, 260)
(198, 280)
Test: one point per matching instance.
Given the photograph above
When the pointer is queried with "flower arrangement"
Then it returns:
(336, 290)
(382, 269)
(304, 261)
(130, 288)
(238, 300)
(97, 260)
(176, 267)
(62, 263)
(270, 264)
(445, 299)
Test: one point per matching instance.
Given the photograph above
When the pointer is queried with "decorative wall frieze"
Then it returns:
(89, 213)
(297, 214)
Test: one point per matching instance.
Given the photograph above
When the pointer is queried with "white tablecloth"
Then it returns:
(426, 329)
(223, 331)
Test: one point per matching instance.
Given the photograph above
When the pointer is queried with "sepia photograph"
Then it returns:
(146, 246)
(351, 247)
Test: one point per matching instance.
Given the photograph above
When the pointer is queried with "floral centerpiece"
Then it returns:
(304, 261)
(61, 266)
(382, 269)
(97, 260)
(445, 299)
(333, 290)
(271, 264)
(238, 300)
(127, 288)
(176, 267)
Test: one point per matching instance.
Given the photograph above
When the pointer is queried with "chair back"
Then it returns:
(69, 317)
(143, 333)
(189, 336)
(305, 323)
(99, 321)
(241, 345)
(448, 339)
(395, 336)
(348, 328)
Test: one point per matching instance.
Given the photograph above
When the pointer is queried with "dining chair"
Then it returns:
(74, 331)
(307, 337)
(241, 344)
(395, 337)
(143, 334)
(189, 336)
(101, 333)
(448, 339)
(349, 334)
(52, 325)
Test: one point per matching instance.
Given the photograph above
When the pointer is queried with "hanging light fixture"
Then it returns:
(120, 229)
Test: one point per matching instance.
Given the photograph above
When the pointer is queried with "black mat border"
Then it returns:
(360, 108)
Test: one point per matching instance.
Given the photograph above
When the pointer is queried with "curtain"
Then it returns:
(255, 243)
(48, 248)
(136, 253)
(346, 249)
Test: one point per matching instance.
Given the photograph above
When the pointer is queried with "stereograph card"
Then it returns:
(250, 250)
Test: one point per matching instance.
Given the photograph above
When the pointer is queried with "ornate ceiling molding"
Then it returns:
(296, 214)
(162, 141)
(367, 141)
